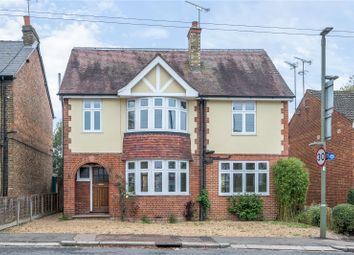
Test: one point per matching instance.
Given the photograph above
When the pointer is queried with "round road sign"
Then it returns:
(321, 157)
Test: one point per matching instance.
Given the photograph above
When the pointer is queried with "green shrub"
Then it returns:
(291, 184)
(247, 207)
(172, 219)
(350, 198)
(203, 200)
(145, 220)
(343, 218)
(312, 216)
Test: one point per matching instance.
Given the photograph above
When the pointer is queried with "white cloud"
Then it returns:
(10, 29)
(56, 50)
(13, 3)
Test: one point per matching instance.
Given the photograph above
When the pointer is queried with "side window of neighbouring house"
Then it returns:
(243, 117)
(92, 115)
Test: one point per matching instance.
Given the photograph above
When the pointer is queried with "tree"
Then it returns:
(350, 85)
(57, 150)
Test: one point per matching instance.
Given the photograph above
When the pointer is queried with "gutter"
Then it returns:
(202, 153)
(4, 140)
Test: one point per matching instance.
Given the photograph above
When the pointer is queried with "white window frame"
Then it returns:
(151, 114)
(256, 173)
(84, 179)
(243, 112)
(92, 111)
(151, 178)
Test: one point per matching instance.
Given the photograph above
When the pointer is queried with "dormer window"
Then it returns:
(157, 114)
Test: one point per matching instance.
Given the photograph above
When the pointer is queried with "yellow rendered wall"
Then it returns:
(109, 140)
(268, 136)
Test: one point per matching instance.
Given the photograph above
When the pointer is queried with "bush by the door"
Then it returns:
(291, 184)
(247, 207)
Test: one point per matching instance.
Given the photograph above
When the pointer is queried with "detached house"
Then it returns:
(171, 122)
(26, 116)
(305, 128)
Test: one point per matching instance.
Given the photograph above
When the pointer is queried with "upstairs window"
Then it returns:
(92, 114)
(243, 118)
(157, 113)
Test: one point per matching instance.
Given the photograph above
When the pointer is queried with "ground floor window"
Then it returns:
(157, 177)
(243, 177)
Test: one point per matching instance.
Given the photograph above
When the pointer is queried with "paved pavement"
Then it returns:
(140, 251)
(159, 241)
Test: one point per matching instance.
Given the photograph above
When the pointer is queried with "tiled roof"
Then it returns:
(343, 102)
(242, 73)
(13, 55)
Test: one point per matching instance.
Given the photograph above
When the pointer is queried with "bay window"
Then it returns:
(92, 116)
(165, 114)
(243, 117)
(157, 177)
(243, 177)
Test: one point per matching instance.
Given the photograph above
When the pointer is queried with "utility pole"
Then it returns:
(323, 220)
(293, 66)
(303, 72)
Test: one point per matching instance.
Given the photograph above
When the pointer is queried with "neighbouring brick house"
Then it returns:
(25, 118)
(170, 122)
(305, 128)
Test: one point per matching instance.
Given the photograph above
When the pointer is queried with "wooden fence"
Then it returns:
(18, 210)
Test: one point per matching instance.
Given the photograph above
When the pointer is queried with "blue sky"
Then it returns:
(58, 37)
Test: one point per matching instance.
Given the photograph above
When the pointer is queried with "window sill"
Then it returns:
(92, 132)
(243, 194)
(157, 132)
(244, 134)
(83, 180)
(161, 195)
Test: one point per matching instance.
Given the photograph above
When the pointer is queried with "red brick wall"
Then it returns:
(82, 201)
(149, 145)
(30, 143)
(305, 128)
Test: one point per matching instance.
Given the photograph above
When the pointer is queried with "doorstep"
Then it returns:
(92, 216)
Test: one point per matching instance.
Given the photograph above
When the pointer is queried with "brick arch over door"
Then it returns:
(112, 163)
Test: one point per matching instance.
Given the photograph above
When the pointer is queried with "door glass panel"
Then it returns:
(99, 175)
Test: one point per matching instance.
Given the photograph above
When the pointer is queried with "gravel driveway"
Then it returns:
(52, 224)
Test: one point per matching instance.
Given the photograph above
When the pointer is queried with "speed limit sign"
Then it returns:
(321, 157)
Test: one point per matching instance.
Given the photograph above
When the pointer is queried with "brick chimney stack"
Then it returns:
(194, 45)
(29, 33)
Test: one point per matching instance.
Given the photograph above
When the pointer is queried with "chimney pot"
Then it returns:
(27, 20)
(194, 46)
(29, 34)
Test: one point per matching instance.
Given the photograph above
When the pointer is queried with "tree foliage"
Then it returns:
(57, 150)
(291, 184)
(350, 85)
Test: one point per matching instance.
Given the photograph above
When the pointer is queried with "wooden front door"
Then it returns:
(99, 190)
